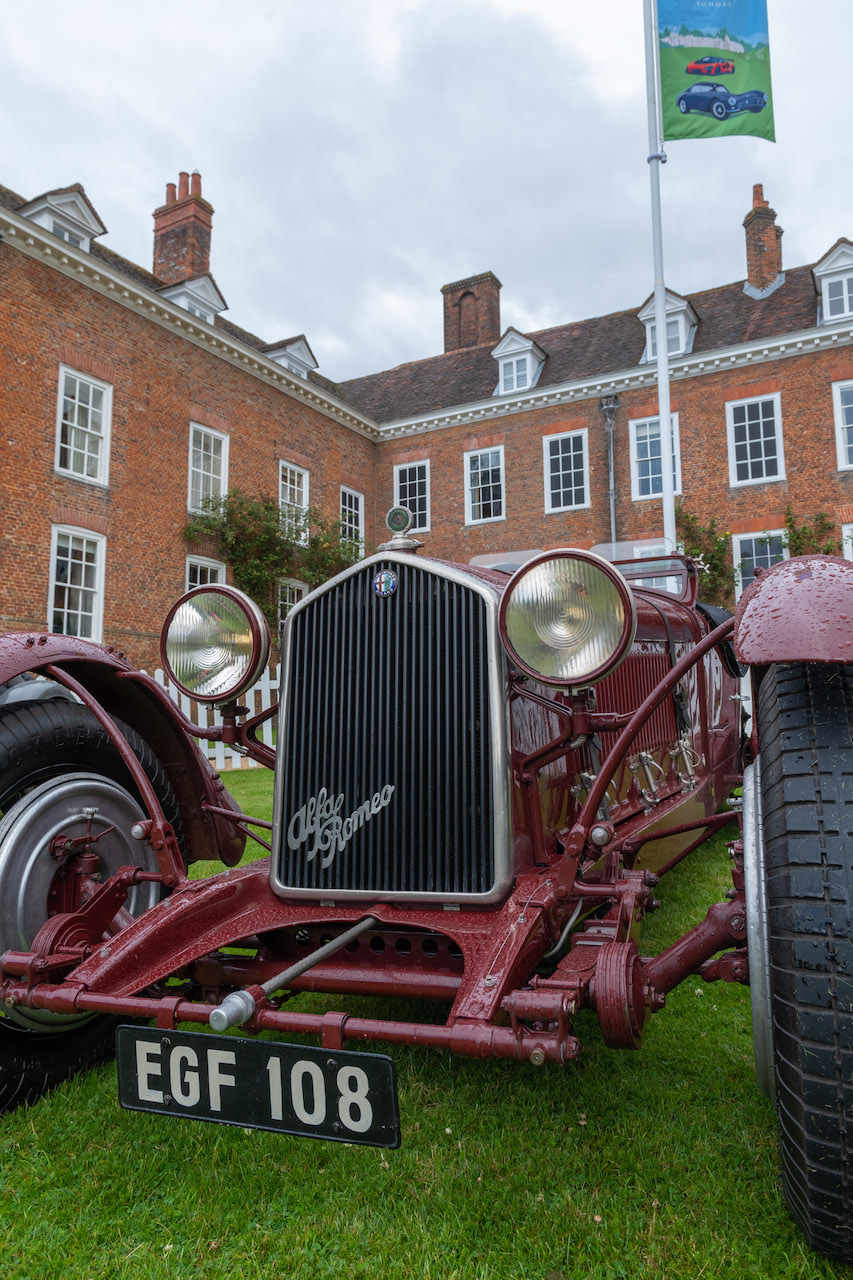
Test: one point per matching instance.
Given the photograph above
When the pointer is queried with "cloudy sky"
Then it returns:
(361, 153)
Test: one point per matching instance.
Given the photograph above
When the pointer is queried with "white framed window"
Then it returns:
(847, 541)
(293, 499)
(566, 465)
(674, 337)
(64, 234)
(484, 485)
(681, 321)
(83, 418)
(352, 516)
(208, 469)
(752, 551)
(754, 429)
(76, 598)
(655, 547)
(290, 592)
(201, 572)
(838, 297)
(515, 374)
(842, 401)
(411, 490)
(646, 458)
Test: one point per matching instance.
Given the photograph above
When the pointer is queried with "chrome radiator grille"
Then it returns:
(386, 782)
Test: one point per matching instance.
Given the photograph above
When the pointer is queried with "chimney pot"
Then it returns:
(183, 185)
(195, 183)
(758, 200)
(171, 193)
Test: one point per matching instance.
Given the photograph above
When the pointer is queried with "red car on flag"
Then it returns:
(709, 66)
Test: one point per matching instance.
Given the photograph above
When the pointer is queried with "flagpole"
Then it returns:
(656, 158)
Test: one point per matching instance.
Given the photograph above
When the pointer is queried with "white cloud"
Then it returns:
(360, 155)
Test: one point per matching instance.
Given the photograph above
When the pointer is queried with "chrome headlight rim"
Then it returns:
(259, 630)
(629, 626)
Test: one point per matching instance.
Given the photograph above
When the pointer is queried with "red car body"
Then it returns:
(710, 67)
(452, 821)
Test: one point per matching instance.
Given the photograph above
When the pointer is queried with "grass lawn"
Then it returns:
(653, 1164)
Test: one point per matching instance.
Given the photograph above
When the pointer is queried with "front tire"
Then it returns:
(805, 723)
(55, 761)
(718, 110)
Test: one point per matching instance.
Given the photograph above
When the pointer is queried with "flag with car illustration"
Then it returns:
(715, 68)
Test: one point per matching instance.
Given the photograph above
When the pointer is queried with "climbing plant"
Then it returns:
(814, 535)
(713, 552)
(263, 544)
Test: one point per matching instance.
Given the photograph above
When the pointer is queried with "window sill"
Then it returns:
(471, 524)
(750, 484)
(72, 475)
(653, 497)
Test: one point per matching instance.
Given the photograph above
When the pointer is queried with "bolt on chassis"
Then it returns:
(480, 777)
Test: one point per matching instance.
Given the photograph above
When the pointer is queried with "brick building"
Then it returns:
(129, 396)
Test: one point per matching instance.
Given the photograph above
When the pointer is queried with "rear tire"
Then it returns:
(805, 722)
(42, 744)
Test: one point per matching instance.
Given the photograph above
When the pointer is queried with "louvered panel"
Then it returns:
(387, 780)
(630, 685)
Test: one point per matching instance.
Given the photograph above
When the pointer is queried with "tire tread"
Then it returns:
(805, 718)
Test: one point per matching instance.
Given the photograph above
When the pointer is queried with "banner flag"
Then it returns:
(715, 69)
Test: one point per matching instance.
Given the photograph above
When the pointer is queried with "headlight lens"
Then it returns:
(215, 643)
(568, 618)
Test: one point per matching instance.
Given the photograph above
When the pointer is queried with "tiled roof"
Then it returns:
(137, 274)
(11, 199)
(585, 349)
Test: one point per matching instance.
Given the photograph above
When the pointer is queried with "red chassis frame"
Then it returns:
(481, 960)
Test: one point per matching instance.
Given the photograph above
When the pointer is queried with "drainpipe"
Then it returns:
(608, 406)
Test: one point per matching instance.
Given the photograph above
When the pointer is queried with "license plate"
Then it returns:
(260, 1084)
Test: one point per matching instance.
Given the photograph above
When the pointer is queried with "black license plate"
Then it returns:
(260, 1084)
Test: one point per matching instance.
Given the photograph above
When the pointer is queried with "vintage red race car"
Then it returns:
(480, 778)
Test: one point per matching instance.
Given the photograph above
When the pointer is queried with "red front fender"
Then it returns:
(799, 611)
(129, 695)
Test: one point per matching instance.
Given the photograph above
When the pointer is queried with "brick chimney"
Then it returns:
(182, 232)
(472, 311)
(763, 242)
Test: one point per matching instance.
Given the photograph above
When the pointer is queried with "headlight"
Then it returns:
(215, 643)
(568, 618)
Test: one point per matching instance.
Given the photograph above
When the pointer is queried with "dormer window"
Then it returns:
(200, 297)
(515, 374)
(839, 297)
(520, 362)
(65, 234)
(293, 354)
(834, 279)
(681, 321)
(674, 339)
(68, 214)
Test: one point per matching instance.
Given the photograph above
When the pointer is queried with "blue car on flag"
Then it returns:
(720, 101)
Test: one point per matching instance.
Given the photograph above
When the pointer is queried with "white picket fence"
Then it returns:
(260, 698)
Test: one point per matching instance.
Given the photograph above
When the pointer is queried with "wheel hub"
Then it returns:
(31, 831)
